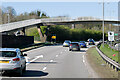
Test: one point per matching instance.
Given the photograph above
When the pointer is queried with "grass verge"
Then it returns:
(99, 65)
(111, 53)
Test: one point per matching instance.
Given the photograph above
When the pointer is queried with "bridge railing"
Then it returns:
(63, 19)
(19, 24)
(56, 19)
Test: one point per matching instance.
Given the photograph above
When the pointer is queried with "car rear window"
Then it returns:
(82, 42)
(67, 41)
(74, 43)
(7, 54)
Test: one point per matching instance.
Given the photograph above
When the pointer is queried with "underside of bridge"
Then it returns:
(43, 36)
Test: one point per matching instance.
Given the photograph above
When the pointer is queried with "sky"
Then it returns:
(71, 9)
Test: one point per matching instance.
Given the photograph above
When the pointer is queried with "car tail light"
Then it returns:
(70, 44)
(77, 45)
(16, 59)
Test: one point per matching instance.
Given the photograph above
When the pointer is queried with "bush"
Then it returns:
(65, 33)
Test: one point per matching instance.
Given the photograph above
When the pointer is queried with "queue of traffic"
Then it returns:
(77, 45)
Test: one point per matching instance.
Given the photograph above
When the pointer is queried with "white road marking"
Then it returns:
(34, 59)
(41, 56)
(56, 55)
(27, 58)
(44, 68)
(51, 60)
(84, 59)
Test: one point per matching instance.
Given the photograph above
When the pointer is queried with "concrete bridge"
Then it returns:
(21, 25)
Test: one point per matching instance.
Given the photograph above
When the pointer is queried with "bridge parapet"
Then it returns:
(63, 19)
(19, 24)
(59, 20)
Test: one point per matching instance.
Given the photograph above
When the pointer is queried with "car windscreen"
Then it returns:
(91, 41)
(7, 54)
(67, 41)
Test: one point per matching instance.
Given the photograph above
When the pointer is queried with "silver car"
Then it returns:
(12, 60)
(66, 43)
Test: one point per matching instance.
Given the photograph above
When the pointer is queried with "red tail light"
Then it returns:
(16, 59)
(70, 44)
(77, 45)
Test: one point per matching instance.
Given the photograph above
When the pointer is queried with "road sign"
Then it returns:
(116, 34)
(110, 35)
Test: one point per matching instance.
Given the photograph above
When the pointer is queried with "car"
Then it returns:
(66, 43)
(12, 60)
(82, 44)
(74, 46)
(91, 41)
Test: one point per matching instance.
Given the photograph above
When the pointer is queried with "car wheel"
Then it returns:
(20, 72)
(24, 69)
(69, 49)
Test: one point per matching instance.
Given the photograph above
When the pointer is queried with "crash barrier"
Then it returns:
(11, 41)
(115, 65)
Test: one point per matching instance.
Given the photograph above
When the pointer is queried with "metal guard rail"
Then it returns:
(115, 64)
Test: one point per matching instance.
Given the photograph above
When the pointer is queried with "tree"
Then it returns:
(11, 13)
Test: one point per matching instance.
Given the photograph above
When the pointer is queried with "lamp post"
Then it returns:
(8, 17)
(103, 22)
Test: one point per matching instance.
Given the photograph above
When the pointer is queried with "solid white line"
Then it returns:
(34, 59)
(44, 68)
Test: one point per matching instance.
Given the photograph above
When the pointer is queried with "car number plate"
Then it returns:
(74, 48)
(4, 61)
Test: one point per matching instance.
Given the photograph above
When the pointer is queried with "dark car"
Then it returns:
(74, 46)
(83, 44)
(91, 42)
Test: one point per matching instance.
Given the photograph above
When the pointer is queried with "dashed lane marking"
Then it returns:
(56, 55)
(51, 60)
(44, 68)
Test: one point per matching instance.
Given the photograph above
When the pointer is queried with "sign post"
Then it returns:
(111, 37)
(53, 38)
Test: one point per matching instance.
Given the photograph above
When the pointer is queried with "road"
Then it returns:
(55, 62)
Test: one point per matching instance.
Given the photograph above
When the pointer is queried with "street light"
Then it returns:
(8, 17)
(103, 22)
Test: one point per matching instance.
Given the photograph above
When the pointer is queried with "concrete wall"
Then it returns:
(16, 41)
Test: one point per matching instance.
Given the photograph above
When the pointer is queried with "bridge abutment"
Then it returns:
(23, 31)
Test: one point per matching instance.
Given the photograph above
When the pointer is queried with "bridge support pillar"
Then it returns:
(23, 31)
(73, 26)
(43, 37)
